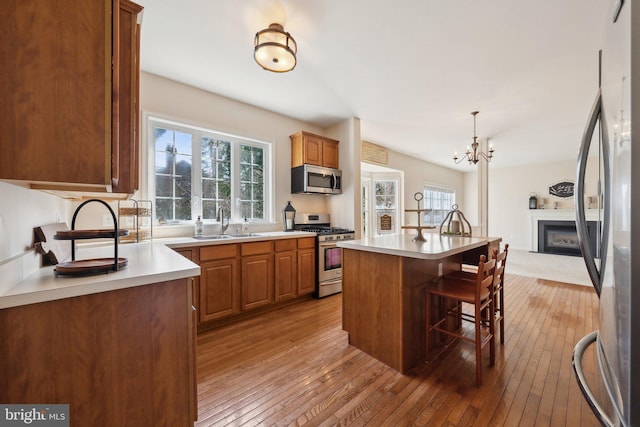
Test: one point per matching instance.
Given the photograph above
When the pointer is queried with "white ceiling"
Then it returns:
(411, 70)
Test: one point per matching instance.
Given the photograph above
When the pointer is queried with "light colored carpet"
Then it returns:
(560, 268)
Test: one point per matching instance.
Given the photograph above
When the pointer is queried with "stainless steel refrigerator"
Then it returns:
(614, 265)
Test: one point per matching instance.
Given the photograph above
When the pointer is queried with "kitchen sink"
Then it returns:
(214, 237)
(225, 236)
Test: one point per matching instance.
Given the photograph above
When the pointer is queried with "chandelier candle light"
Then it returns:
(473, 154)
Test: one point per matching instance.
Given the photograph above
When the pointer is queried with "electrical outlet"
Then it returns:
(107, 220)
(439, 269)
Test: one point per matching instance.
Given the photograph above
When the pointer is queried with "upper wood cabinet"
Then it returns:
(310, 149)
(70, 91)
(126, 101)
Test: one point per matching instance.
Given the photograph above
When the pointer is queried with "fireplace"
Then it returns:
(561, 237)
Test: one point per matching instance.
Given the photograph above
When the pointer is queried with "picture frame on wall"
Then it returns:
(562, 190)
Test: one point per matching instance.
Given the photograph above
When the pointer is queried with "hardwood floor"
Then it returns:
(294, 366)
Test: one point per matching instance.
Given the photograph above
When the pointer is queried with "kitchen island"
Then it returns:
(383, 291)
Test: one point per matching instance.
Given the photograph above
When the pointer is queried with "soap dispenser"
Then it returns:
(199, 227)
(245, 227)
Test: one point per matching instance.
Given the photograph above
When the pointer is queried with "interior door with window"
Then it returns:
(381, 204)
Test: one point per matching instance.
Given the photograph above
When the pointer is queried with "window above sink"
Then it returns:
(196, 171)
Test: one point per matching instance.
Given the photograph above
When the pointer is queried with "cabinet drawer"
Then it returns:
(307, 242)
(218, 252)
(257, 248)
(187, 253)
(285, 245)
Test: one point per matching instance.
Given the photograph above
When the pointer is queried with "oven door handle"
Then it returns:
(326, 244)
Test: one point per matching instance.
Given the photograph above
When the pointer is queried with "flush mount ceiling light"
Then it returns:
(473, 153)
(275, 50)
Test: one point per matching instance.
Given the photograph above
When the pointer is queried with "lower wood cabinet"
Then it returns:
(219, 282)
(286, 271)
(118, 358)
(240, 277)
(306, 266)
(257, 275)
(191, 254)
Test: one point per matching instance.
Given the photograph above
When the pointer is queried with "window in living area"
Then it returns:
(197, 171)
(439, 200)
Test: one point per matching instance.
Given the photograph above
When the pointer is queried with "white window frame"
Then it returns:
(443, 189)
(196, 196)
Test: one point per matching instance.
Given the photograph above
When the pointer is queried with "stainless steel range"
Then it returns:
(329, 256)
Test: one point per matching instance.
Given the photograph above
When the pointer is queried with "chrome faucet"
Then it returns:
(220, 218)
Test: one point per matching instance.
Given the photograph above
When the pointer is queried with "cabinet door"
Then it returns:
(194, 364)
(306, 271)
(55, 86)
(312, 150)
(330, 154)
(62, 124)
(219, 289)
(192, 254)
(286, 275)
(257, 281)
(126, 90)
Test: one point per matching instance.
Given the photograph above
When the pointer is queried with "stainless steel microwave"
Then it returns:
(316, 179)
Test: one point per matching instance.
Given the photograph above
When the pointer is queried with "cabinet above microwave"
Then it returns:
(310, 149)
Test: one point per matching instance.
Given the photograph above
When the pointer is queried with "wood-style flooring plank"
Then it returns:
(295, 367)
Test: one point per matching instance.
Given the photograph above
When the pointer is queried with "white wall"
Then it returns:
(471, 200)
(509, 190)
(345, 208)
(417, 173)
(172, 100)
(187, 104)
(21, 210)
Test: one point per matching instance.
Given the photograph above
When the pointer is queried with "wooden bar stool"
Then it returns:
(478, 292)
(498, 285)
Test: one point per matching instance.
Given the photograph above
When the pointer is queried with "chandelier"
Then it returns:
(274, 49)
(473, 153)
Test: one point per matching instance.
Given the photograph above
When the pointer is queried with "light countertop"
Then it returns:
(149, 262)
(186, 242)
(435, 247)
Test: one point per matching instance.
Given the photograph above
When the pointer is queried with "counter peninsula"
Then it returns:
(383, 291)
(118, 348)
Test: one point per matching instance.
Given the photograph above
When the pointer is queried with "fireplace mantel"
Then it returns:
(556, 215)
